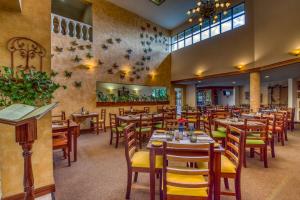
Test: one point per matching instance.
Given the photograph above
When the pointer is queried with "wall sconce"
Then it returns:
(240, 67)
(199, 73)
(152, 75)
(295, 52)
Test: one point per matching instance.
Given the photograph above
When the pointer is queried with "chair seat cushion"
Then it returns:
(58, 142)
(218, 134)
(141, 159)
(278, 128)
(221, 129)
(143, 129)
(120, 129)
(192, 120)
(227, 165)
(158, 126)
(254, 142)
(178, 178)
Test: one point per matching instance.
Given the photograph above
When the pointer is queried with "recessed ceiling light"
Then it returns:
(199, 81)
(267, 76)
(233, 82)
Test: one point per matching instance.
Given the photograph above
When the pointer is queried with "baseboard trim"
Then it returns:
(38, 193)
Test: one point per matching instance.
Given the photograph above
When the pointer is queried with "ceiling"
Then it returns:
(169, 14)
(281, 74)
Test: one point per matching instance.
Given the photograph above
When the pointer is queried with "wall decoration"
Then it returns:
(100, 62)
(148, 58)
(138, 77)
(155, 29)
(89, 55)
(127, 56)
(77, 59)
(122, 75)
(148, 25)
(104, 47)
(89, 46)
(115, 66)
(72, 49)
(81, 47)
(149, 49)
(110, 71)
(109, 41)
(131, 79)
(143, 28)
(151, 38)
(67, 74)
(77, 84)
(58, 49)
(145, 50)
(141, 35)
(129, 51)
(53, 73)
(118, 40)
(143, 43)
(147, 68)
(52, 55)
(148, 43)
(74, 43)
(28, 49)
(160, 34)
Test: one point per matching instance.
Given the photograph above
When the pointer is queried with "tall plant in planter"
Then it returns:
(29, 87)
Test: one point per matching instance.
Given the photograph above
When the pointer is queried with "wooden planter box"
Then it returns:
(118, 104)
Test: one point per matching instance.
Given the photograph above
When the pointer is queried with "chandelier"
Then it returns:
(208, 9)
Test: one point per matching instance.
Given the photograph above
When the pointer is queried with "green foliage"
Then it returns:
(26, 87)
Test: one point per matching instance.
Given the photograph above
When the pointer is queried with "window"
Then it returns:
(233, 18)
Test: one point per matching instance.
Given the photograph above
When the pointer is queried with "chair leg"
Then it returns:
(265, 152)
(261, 155)
(245, 160)
(140, 140)
(160, 187)
(104, 127)
(111, 137)
(285, 135)
(129, 182)
(252, 153)
(117, 140)
(69, 157)
(237, 183)
(272, 148)
(226, 183)
(136, 174)
(282, 138)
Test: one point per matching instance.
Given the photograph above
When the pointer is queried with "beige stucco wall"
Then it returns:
(109, 22)
(34, 23)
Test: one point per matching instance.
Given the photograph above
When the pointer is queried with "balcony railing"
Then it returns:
(70, 27)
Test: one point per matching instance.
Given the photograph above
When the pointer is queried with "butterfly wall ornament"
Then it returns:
(129, 51)
(104, 47)
(118, 40)
(109, 41)
(88, 46)
(110, 71)
(59, 49)
(80, 47)
(77, 84)
(72, 49)
(74, 43)
(53, 73)
(68, 74)
(127, 56)
(77, 59)
(89, 55)
(100, 62)
(115, 66)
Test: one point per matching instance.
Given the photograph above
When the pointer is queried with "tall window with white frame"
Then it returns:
(231, 19)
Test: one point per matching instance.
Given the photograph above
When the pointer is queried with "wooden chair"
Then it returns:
(180, 183)
(147, 109)
(61, 116)
(291, 119)
(171, 124)
(144, 128)
(102, 121)
(121, 111)
(231, 161)
(137, 161)
(280, 128)
(257, 138)
(115, 129)
(63, 141)
(217, 135)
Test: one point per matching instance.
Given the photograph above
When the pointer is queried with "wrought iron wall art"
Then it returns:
(28, 50)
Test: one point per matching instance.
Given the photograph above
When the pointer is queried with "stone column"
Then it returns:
(254, 91)
(292, 93)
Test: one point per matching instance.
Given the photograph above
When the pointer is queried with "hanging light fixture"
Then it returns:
(208, 9)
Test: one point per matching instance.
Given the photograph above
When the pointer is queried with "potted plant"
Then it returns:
(26, 87)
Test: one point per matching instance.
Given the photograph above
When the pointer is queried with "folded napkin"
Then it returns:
(160, 131)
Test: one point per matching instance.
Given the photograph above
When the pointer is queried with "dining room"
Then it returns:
(149, 99)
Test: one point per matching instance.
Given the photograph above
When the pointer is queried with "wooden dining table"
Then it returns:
(79, 118)
(135, 118)
(75, 130)
(239, 123)
(201, 138)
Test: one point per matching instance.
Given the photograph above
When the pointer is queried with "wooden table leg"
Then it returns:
(97, 120)
(217, 173)
(152, 174)
(75, 136)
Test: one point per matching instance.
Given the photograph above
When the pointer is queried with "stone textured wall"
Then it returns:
(121, 40)
(34, 23)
